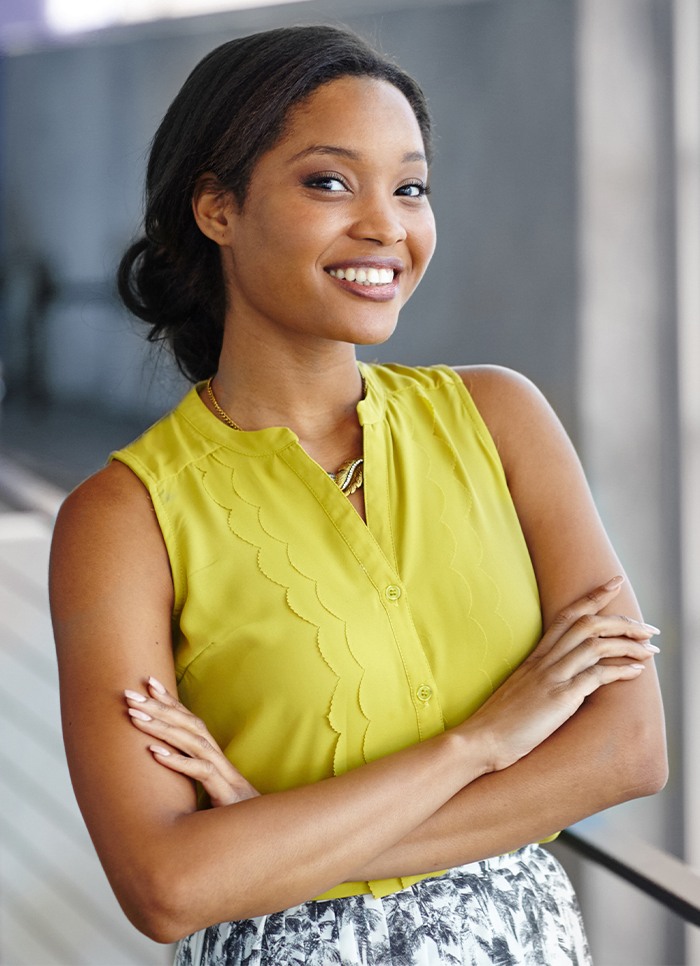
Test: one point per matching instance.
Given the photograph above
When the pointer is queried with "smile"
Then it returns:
(364, 276)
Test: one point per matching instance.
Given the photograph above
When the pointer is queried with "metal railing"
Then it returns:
(659, 874)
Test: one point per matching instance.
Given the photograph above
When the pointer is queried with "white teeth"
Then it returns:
(364, 276)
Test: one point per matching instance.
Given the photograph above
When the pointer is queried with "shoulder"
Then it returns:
(111, 497)
(107, 533)
(184, 434)
(502, 394)
(518, 416)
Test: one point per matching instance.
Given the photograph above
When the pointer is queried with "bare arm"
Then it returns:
(175, 869)
(613, 749)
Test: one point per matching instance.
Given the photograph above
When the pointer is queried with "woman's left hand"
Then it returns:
(162, 716)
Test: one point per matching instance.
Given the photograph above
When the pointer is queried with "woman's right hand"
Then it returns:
(568, 664)
(190, 750)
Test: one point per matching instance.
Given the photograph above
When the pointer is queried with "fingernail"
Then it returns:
(157, 750)
(156, 685)
(141, 715)
(652, 647)
(639, 667)
(135, 696)
(614, 582)
(650, 627)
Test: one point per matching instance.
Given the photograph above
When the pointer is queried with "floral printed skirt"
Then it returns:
(513, 910)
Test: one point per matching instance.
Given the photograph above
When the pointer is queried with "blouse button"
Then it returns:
(393, 592)
(424, 693)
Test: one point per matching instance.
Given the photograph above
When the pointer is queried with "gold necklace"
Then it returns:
(348, 478)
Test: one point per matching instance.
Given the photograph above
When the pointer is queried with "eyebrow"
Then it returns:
(349, 154)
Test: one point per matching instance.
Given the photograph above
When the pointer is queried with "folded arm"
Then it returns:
(173, 868)
(613, 749)
(176, 869)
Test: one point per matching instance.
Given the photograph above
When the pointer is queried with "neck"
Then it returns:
(314, 394)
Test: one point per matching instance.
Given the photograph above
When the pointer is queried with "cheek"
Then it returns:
(272, 232)
(423, 241)
(292, 244)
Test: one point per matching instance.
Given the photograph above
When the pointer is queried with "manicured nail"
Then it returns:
(156, 685)
(614, 582)
(652, 647)
(141, 715)
(650, 627)
(135, 696)
(157, 750)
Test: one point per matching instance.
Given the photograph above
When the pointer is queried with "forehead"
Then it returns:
(357, 112)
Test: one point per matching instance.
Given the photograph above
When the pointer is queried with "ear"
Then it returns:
(213, 206)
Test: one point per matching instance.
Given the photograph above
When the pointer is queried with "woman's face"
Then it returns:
(336, 229)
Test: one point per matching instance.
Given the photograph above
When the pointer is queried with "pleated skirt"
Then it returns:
(513, 910)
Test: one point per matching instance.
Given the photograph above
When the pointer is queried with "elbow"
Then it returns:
(640, 779)
(640, 765)
(649, 773)
(627, 756)
(158, 925)
(158, 906)
(164, 907)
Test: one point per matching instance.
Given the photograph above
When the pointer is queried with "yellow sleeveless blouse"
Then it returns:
(309, 641)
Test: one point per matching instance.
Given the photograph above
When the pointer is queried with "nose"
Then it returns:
(378, 220)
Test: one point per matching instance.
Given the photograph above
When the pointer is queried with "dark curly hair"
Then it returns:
(231, 109)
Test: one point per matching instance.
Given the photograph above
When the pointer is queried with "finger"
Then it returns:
(589, 604)
(601, 626)
(623, 660)
(168, 709)
(198, 744)
(164, 715)
(593, 650)
(593, 601)
(627, 626)
(175, 724)
(218, 788)
(195, 744)
(160, 691)
(601, 675)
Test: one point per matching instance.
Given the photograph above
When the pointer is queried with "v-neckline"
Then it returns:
(283, 441)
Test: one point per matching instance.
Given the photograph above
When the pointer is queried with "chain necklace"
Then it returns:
(348, 477)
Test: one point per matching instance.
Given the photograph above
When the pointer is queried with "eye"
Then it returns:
(414, 189)
(326, 181)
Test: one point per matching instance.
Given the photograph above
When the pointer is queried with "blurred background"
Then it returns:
(567, 194)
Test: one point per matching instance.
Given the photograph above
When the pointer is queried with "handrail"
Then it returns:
(659, 874)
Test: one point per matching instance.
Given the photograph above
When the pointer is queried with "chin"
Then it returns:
(374, 334)
(375, 340)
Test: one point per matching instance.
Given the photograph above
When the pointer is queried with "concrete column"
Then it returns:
(627, 386)
(686, 37)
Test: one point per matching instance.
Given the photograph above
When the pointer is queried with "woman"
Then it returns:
(344, 571)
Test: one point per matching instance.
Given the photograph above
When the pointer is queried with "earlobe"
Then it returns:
(212, 206)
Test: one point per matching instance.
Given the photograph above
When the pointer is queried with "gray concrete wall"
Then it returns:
(500, 80)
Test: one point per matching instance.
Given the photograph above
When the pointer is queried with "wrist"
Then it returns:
(472, 749)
